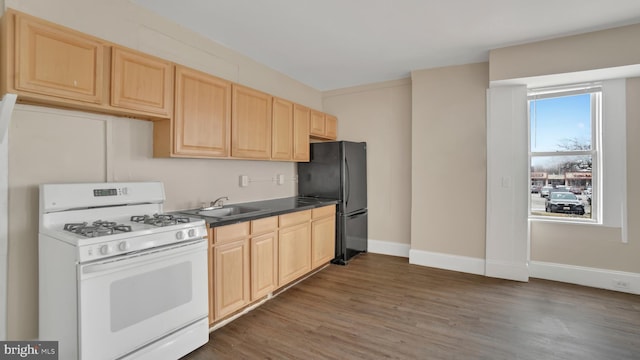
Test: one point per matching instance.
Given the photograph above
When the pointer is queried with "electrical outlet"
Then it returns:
(620, 284)
(280, 179)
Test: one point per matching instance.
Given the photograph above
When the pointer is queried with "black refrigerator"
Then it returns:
(338, 170)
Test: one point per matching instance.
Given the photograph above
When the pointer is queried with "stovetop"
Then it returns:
(120, 235)
(103, 228)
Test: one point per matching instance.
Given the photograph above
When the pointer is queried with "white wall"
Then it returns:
(380, 114)
(48, 145)
(449, 167)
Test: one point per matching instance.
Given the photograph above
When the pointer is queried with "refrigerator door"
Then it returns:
(354, 176)
(321, 176)
(352, 236)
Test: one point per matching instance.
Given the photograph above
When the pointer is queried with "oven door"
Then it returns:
(134, 300)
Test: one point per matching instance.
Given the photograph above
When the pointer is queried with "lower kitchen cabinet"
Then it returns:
(250, 260)
(323, 235)
(294, 246)
(231, 262)
(230, 257)
(264, 242)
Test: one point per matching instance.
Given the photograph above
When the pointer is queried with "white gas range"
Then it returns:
(118, 278)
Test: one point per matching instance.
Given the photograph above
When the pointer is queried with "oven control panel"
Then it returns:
(101, 250)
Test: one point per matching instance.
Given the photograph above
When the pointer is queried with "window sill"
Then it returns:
(571, 221)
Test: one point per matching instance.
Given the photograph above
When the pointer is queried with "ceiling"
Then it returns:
(331, 44)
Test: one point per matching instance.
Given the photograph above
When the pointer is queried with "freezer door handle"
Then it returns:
(360, 214)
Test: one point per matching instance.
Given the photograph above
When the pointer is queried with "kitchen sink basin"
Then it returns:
(227, 211)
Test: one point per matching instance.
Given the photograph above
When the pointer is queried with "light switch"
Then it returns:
(244, 180)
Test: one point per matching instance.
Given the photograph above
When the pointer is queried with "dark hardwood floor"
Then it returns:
(381, 307)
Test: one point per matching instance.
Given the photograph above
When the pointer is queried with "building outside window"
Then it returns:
(564, 152)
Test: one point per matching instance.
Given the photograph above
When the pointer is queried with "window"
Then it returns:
(564, 152)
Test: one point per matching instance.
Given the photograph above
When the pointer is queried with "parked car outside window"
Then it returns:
(576, 190)
(545, 190)
(564, 202)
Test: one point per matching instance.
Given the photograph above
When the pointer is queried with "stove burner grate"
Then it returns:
(159, 219)
(97, 228)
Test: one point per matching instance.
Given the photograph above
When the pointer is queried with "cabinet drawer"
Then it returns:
(261, 226)
(323, 211)
(295, 218)
(225, 234)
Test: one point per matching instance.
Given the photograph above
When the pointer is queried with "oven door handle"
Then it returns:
(139, 259)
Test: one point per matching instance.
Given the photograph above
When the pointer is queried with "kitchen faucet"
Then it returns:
(216, 204)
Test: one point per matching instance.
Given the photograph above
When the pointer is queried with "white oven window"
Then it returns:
(140, 297)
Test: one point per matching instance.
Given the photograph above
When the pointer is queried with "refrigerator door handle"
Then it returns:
(348, 180)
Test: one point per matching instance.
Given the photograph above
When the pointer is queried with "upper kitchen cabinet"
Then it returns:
(330, 126)
(250, 123)
(51, 64)
(301, 118)
(202, 122)
(290, 140)
(282, 130)
(323, 126)
(140, 82)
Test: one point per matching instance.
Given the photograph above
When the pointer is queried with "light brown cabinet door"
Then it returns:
(58, 62)
(323, 240)
(203, 114)
(301, 118)
(282, 130)
(251, 123)
(294, 252)
(264, 275)
(323, 126)
(330, 126)
(231, 277)
(141, 82)
(317, 124)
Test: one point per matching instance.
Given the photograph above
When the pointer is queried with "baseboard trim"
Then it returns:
(447, 261)
(622, 281)
(507, 270)
(388, 248)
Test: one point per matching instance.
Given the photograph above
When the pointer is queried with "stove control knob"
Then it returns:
(123, 246)
(179, 235)
(105, 249)
(192, 233)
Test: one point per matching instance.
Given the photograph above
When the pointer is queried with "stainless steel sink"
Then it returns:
(227, 211)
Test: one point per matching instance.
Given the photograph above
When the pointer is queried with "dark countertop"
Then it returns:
(267, 208)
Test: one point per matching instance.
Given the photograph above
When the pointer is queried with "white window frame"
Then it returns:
(596, 90)
(612, 178)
